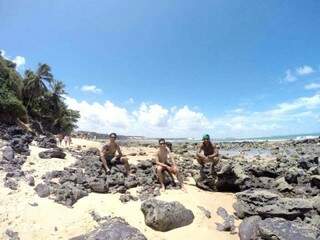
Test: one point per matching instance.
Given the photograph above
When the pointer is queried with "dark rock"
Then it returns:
(267, 204)
(308, 162)
(282, 186)
(315, 180)
(8, 153)
(228, 224)
(206, 212)
(278, 228)
(12, 235)
(34, 204)
(47, 142)
(124, 198)
(248, 229)
(165, 216)
(42, 190)
(30, 181)
(11, 183)
(52, 153)
(92, 151)
(68, 193)
(113, 229)
(99, 186)
(96, 217)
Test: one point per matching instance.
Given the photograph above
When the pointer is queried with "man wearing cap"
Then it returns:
(108, 154)
(208, 152)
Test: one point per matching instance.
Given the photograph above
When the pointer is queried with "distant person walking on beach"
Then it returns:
(67, 140)
(59, 139)
(207, 153)
(163, 158)
(108, 154)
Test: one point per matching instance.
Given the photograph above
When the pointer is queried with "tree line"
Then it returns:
(35, 98)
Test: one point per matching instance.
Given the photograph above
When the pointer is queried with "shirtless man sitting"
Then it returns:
(108, 154)
(208, 152)
(163, 155)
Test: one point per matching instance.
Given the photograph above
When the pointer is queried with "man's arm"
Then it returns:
(119, 151)
(170, 156)
(200, 149)
(215, 151)
(158, 160)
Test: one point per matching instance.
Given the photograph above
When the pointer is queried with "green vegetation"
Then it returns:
(34, 97)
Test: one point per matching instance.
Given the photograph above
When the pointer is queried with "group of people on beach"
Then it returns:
(111, 154)
(64, 138)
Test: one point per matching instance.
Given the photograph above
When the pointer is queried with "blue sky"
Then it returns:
(176, 68)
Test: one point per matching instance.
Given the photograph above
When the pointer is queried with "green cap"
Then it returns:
(206, 137)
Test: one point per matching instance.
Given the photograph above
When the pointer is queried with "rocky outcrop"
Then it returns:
(267, 204)
(278, 228)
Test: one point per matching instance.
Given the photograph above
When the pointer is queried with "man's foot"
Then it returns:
(162, 189)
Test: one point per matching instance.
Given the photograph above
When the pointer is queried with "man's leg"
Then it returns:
(160, 177)
(125, 161)
(201, 159)
(214, 161)
(174, 170)
(170, 175)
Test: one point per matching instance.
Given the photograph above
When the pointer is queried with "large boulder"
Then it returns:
(165, 216)
(52, 153)
(267, 204)
(113, 229)
(281, 229)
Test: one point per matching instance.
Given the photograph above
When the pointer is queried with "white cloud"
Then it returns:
(185, 119)
(312, 86)
(152, 115)
(304, 70)
(91, 89)
(153, 120)
(289, 77)
(102, 118)
(2, 53)
(18, 60)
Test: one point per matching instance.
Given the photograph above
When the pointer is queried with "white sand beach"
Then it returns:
(50, 220)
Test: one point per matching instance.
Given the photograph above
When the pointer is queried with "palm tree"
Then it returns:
(35, 83)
